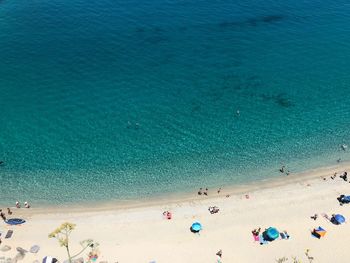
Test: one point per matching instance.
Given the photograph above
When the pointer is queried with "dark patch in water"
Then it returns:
(238, 83)
(155, 39)
(255, 21)
(280, 99)
(272, 18)
(183, 28)
(151, 36)
(226, 24)
(158, 29)
(196, 108)
(283, 102)
(140, 29)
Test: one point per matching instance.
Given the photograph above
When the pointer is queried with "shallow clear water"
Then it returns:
(119, 99)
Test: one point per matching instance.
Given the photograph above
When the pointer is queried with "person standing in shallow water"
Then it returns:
(282, 169)
(200, 191)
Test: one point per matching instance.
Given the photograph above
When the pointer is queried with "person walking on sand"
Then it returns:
(334, 176)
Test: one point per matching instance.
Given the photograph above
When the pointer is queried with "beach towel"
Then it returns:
(21, 250)
(5, 248)
(34, 249)
(262, 240)
(284, 235)
(256, 238)
(9, 234)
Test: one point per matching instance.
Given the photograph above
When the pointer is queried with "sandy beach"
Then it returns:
(139, 233)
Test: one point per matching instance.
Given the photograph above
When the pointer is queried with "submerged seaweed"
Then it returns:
(280, 99)
(255, 21)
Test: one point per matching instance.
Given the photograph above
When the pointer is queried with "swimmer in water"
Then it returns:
(282, 169)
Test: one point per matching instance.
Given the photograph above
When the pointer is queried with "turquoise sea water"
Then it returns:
(114, 99)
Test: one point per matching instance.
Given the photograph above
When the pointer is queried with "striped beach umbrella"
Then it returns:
(49, 259)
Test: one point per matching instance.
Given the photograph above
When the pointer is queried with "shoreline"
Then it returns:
(175, 198)
(138, 232)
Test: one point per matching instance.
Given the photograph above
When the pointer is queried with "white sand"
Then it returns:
(140, 234)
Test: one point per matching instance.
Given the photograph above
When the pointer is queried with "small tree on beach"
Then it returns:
(62, 234)
(309, 257)
(285, 259)
(295, 260)
(281, 260)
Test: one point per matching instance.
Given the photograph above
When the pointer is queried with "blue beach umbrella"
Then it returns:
(196, 227)
(340, 219)
(15, 221)
(271, 233)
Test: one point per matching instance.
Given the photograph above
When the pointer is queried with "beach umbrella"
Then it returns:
(15, 221)
(49, 259)
(271, 233)
(346, 199)
(340, 219)
(196, 227)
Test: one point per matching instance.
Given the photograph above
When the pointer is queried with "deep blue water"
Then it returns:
(116, 99)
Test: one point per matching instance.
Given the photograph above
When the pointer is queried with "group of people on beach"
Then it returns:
(213, 209)
(205, 192)
(26, 204)
(256, 232)
(343, 176)
(167, 215)
(283, 170)
(9, 212)
(2, 214)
